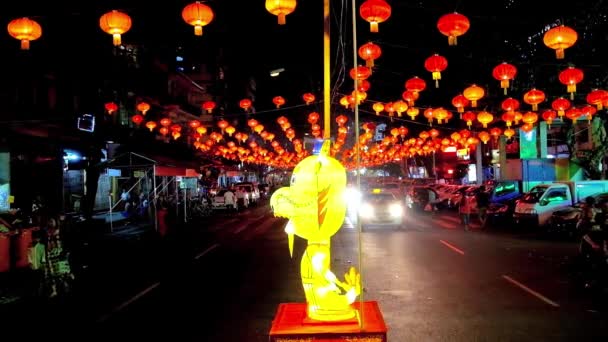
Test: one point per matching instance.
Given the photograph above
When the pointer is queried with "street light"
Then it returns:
(276, 72)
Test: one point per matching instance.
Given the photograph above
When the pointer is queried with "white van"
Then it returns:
(537, 205)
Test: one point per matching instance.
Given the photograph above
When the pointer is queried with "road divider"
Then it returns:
(530, 291)
(452, 247)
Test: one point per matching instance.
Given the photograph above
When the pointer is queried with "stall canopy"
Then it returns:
(175, 171)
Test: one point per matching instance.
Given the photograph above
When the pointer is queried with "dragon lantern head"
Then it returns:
(314, 202)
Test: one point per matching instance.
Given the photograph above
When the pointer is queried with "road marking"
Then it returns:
(201, 254)
(451, 218)
(530, 291)
(240, 229)
(128, 302)
(452, 247)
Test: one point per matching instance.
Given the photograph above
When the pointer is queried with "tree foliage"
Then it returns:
(590, 161)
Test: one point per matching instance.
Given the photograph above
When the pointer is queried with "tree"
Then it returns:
(590, 161)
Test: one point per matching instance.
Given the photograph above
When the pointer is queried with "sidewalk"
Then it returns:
(98, 259)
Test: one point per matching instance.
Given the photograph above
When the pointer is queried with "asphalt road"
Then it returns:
(223, 278)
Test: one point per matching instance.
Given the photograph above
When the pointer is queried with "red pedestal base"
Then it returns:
(291, 324)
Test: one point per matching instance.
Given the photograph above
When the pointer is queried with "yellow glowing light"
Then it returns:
(315, 206)
(377, 191)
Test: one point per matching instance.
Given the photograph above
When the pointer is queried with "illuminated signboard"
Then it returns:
(463, 154)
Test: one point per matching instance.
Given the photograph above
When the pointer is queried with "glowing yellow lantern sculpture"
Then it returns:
(315, 206)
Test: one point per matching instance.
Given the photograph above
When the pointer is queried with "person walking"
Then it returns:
(483, 202)
(464, 208)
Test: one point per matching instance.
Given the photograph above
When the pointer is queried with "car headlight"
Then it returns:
(352, 196)
(396, 210)
(366, 211)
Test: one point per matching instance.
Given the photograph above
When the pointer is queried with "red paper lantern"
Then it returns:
(369, 52)
(508, 118)
(341, 120)
(435, 65)
(560, 105)
(574, 113)
(278, 101)
(410, 97)
(360, 73)
(469, 117)
(151, 125)
(453, 25)
(143, 107)
(25, 30)
(485, 118)
(510, 104)
(363, 85)
(308, 98)
(115, 23)
(474, 93)
(570, 77)
(597, 97)
(530, 118)
(378, 107)
(549, 116)
(209, 106)
(198, 15)
(495, 132)
(504, 72)
(245, 104)
(165, 122)
(534, 97)
(588, 111)
(137, 119)
(375, 12)
(111, 107)
(460, 102)
(415, 84)
(313, 118)
(281, 8)
(560, 38)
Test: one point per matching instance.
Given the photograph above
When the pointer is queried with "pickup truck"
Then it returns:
(537, 205)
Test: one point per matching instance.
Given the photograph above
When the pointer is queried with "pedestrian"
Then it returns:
(36, 256)
(432, 201)
(482, 198)
(464, 208)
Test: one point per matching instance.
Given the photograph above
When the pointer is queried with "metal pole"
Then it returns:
(176, 198)
(111, 224)
(326, 73)
(155, 201)
(185, 204)
(478, 163)
(358, 163)
(434, 168)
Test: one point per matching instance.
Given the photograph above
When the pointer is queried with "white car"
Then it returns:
(252, 191)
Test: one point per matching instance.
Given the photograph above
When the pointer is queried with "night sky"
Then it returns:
(249, 40)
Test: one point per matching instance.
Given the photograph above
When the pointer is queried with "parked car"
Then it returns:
(218, 201)
(564, 221)
(539, 204)
(253, 192)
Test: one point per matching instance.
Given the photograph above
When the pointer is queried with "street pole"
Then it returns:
(326, 73)
(357, 160)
